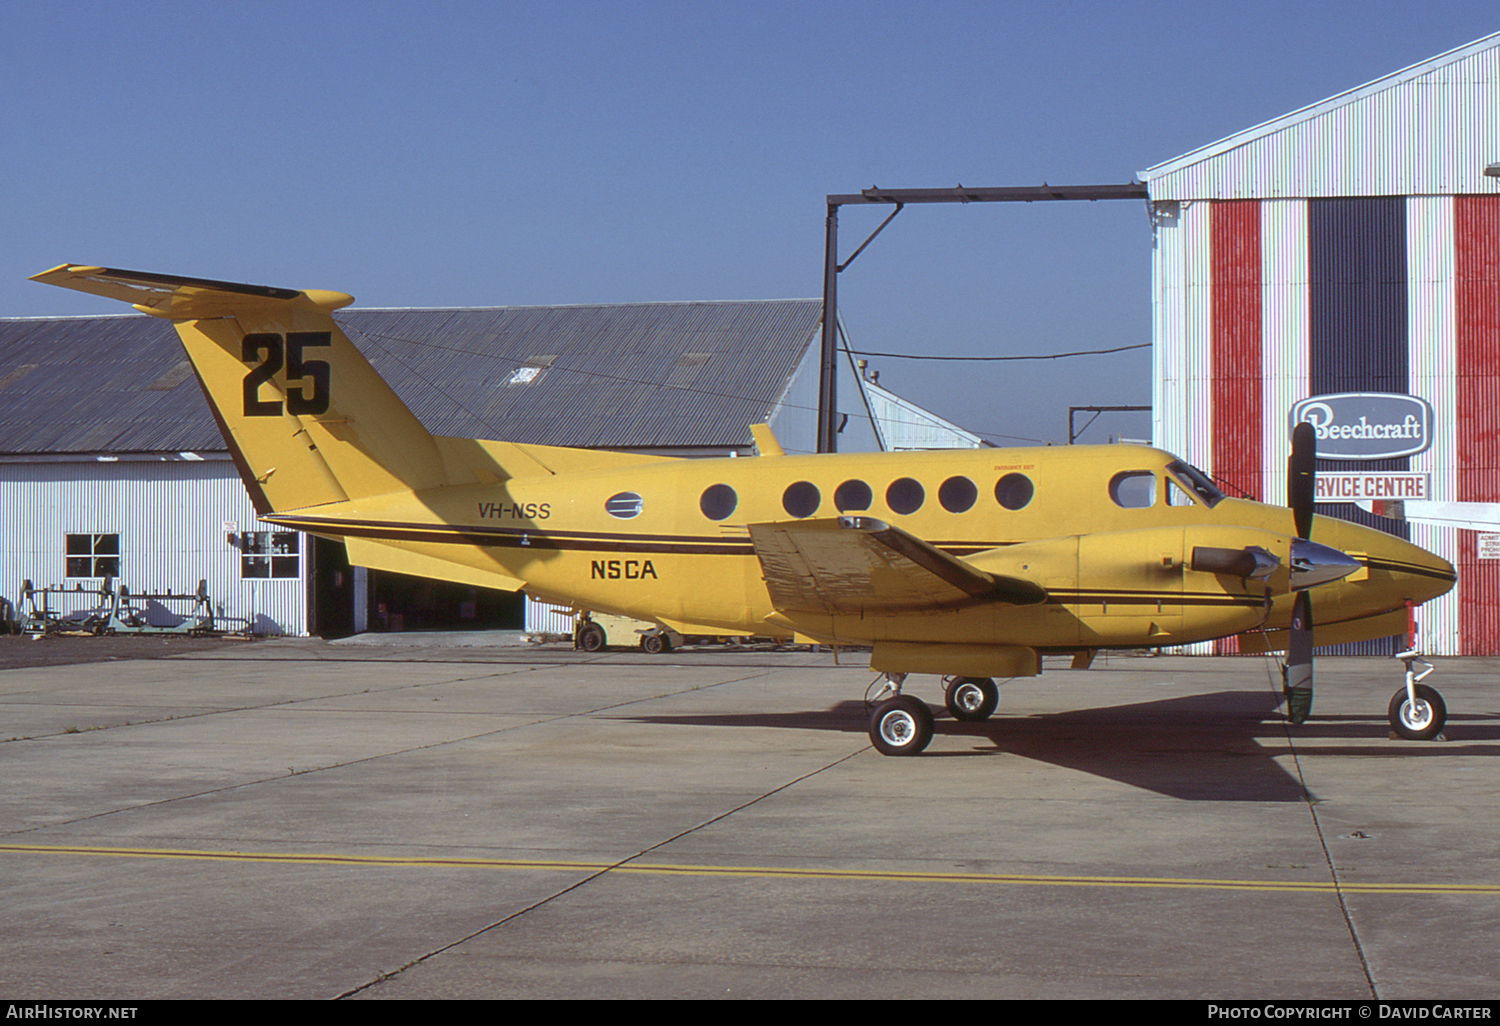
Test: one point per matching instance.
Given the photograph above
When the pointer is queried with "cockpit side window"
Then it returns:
(1133, 489)
(1197, 482)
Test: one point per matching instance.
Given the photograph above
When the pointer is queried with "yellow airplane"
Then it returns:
(968, 564)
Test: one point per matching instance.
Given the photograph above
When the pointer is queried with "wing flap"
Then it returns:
(860, 565)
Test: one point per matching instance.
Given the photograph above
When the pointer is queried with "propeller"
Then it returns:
(1312, 564)
(1301, 475)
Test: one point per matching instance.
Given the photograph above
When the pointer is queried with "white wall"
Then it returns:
(170, 517)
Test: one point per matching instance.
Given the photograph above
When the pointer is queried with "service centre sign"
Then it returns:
(1389, 485)
(1366, 425)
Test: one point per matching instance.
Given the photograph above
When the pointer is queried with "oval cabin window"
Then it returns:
(624, 505)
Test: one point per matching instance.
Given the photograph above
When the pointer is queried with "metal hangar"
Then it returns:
(1344, 259)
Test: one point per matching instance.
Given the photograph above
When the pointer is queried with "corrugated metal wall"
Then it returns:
(170, 517)
(1477, 405)
(1357, 327)
(1430, 309)
(1427, 130)
(1276, 300)
(545, 618)
(1235, 389)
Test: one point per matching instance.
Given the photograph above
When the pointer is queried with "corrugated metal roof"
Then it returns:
(641, 375)
(1429, 129)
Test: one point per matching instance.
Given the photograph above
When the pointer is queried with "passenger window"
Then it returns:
(718, 501)
(1133, 489)
(1014, 491)
(852, 495)
(905, 495)
(801, 499)
(957, 495)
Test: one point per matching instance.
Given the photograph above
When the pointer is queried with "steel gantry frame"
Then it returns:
(827, 388)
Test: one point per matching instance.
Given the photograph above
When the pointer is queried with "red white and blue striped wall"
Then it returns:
(1261, 303)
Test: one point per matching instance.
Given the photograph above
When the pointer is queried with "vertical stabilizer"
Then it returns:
(305, 415)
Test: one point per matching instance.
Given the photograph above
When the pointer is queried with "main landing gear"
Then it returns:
(902, 725)
(1417, 711)
(970, 698)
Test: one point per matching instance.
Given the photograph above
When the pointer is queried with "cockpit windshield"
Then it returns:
(1195, 481)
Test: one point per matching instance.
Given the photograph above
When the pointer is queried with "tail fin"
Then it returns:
(305, 416)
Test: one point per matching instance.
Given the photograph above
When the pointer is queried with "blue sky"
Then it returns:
(488, 154)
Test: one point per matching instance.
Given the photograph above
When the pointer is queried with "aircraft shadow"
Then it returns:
(1211, 747)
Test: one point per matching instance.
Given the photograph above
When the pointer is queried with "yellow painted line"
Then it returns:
(783, 873)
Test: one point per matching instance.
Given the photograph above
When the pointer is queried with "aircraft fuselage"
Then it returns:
(1108, 531)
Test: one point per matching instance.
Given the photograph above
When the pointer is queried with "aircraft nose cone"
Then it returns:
(1314, 564)
(1421, 574)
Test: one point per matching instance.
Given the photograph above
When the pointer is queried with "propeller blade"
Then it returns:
(1297, 674)
(1301, 474)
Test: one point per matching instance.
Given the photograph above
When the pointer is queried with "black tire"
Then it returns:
(901, 726)
(1425, 722)
(656, 644)
(591, 637)
(971, 698)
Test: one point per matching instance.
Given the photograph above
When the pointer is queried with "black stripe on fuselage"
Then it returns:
(1417, 569)
(519, 537)
(584, 541)
(550, 538)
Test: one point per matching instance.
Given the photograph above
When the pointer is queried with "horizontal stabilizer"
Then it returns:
(175, 297)
(372, 554)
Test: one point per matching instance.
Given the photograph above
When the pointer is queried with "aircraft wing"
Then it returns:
(857, 564)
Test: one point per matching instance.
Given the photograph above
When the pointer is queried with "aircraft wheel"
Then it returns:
(972, 698)
(591, 637)
(656, 644)
(1422, 723)
(901, 726)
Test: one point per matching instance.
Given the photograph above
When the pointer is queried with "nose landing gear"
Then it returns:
(1417, 712)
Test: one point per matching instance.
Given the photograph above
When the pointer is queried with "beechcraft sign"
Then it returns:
(1366, 425)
